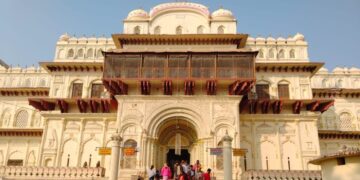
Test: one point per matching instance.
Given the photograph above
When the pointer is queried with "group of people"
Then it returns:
(181, 171)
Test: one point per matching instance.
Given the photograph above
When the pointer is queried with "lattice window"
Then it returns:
(137, 30)
(77, 89)
(221, 30)
(283, 91)
(345, 121)
(157, 30)
(15, 162)
(262, 91)
(200, 30)
(70, 53)
(292, 54)
(281, 54)
(179, 30)
(260, 54)
(21, 119)
(97, 90)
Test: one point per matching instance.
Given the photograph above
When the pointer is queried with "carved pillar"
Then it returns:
(82, 127)
(227, 155)
(115, 156)
(60, 139)
(299, 143)
(43, 142)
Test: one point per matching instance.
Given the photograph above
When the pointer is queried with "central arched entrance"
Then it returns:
(177, 139)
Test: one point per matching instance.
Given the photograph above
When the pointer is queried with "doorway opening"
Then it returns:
(172, 158)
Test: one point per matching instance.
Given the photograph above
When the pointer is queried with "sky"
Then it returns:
(29, 29)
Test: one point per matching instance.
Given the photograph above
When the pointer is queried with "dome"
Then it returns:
(260, 39)
(64, 37)
(199, 8)
(323, 70)
(270, 39)
(251, 39)
(281, 39)
(138, 14)
(299, 37)
(354, 70)
(338, 70)
(222, 14)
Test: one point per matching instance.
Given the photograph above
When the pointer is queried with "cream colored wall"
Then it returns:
(91, 48)
(24, 77)
(349, 171)
(20, 148)
(61, 86)
(299, 84)
(279, 137)
(77, 135)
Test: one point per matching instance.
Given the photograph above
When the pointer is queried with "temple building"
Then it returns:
(172, 84)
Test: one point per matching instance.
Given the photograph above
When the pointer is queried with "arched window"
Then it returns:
(77, 89)
(283, 90)
(21, 119)
(262, 91)
(80, 53)
(157, 30)
(340, 83)
(271, 54)
(61, 54)
(90, 53)
(179, 30)
(137, 30)
(292, 54)
(221, 30)
(99, 53)
(325, 83)
(261, 54)
(42, 83)
(70, 53)
(97, 90)
(129, 157)
(345, 121)
(200, 30)
(27, 83)
(281, 54)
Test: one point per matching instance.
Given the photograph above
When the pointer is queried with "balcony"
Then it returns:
(281, 174)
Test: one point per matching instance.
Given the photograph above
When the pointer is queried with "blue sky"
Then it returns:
(29, 29)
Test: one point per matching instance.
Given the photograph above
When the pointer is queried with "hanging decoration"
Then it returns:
(178, 144)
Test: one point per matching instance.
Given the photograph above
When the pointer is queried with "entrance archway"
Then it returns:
(167, 139)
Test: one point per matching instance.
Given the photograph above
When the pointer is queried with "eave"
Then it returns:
(338, 135)
(25, 91)
(288, 67)
(187, 39)
(277, 106)
(72, 66)
(335, 93)
(89, 105)
(21, 132)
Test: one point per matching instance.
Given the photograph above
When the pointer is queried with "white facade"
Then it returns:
(272, 140)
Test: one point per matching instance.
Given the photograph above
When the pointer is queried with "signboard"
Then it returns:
(104, 151)
(239, 152)
(130, 151)
(216, 151)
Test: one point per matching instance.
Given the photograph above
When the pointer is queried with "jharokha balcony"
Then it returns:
(185, 73)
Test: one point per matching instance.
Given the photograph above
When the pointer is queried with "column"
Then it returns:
(227, 155)
(115, 156)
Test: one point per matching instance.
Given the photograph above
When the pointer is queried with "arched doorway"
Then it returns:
(177, 138)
